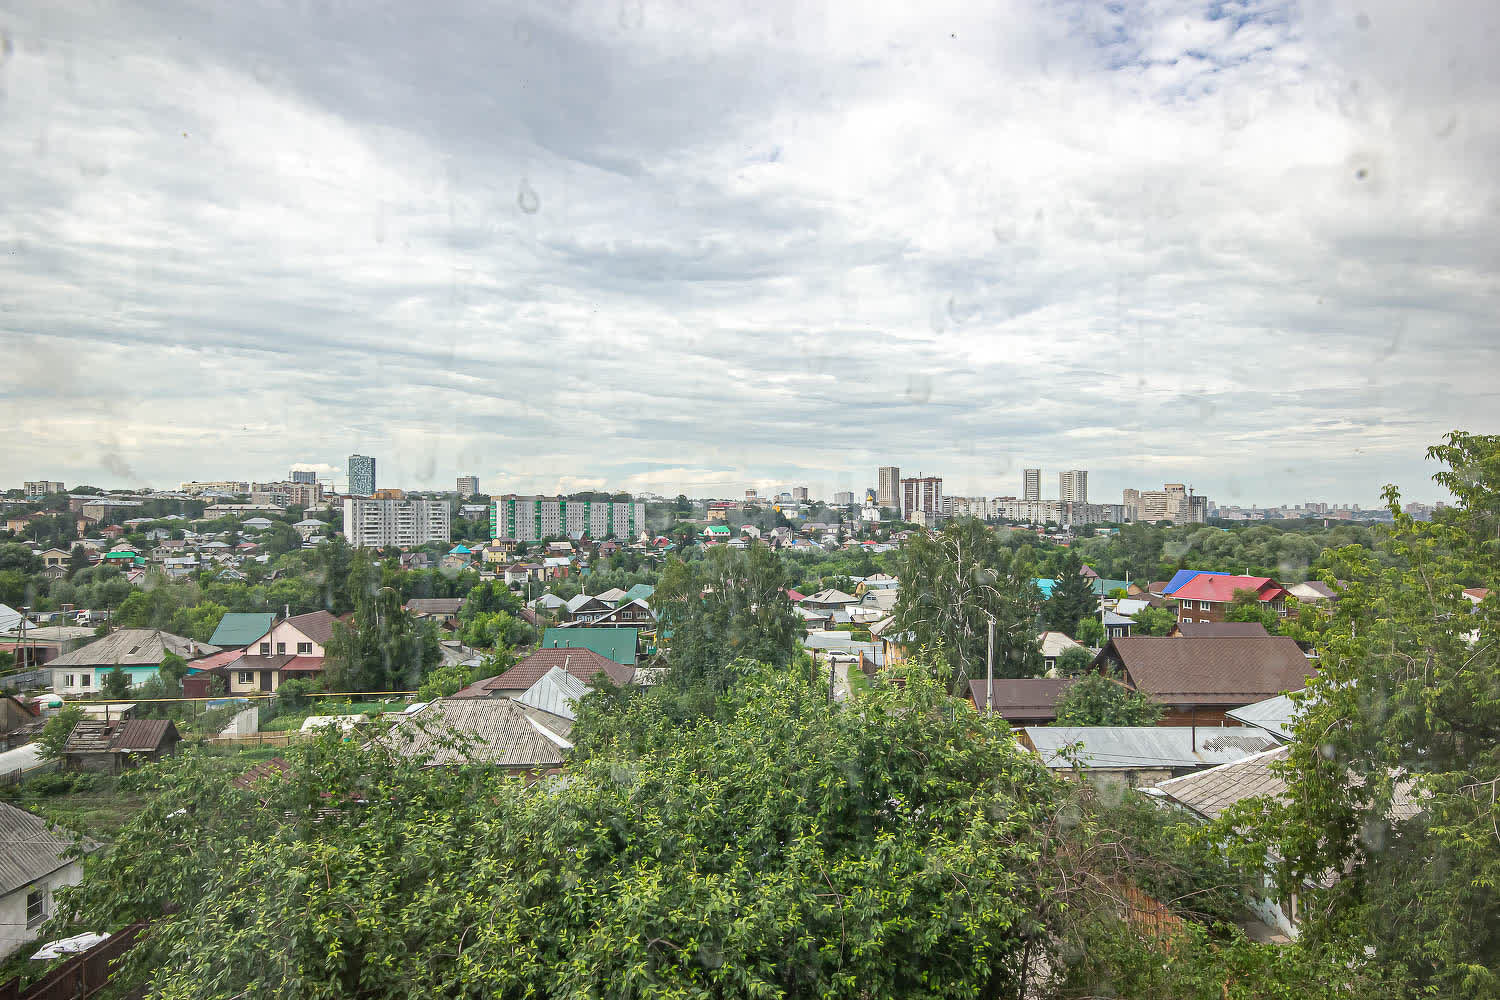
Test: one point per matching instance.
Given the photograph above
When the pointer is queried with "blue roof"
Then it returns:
(462, 550)
(1182, 576)
(1045, 585)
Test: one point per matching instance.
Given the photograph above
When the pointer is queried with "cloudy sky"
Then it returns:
(701, 246)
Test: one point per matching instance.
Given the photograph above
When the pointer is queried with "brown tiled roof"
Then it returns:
(1220, 630)
(583, 664)
(265, 769)
(249, 662)
(1022, 697)
(316, 625)
(142, 735)
(1227, 671)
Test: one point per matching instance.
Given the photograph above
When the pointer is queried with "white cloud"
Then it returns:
(1253, 251)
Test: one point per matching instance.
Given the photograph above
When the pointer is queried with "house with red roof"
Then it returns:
(1207, 596)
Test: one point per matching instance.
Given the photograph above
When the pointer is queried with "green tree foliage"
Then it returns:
(384, 649)
(1074, 662)
(55, 732)
(446, 680)
(1097, 700)
(1406, 704)
(1089, 631)
(953, 583)
(1154, 621)
(730, 605)
(788, 848)
(1072, 597)
(115, 684)
(1246, 606)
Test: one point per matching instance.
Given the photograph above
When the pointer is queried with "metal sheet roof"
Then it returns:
(30, 848)
(1274, 715)
(1182, 576)
(242, 628)
(1133, 747)
(557, 692)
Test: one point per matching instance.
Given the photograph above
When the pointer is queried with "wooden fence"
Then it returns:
(81, 976)
(271, 739)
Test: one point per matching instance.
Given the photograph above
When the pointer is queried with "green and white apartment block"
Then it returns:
(530, 519)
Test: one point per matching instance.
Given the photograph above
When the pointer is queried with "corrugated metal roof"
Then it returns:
(30, 848)
(133, 647)
(1133, 747)
(617, 644)
(242, 628)
(1274, 715)
(494, 731)
(557, 692)
(143, 735)
(1208, 793)
(1182, 576)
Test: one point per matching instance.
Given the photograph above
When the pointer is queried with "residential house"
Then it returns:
(1170, 587)
(1117, 626)
(877, 581)
(1219, 630)
(716, 533)
(310, 526)
(1198, 681)
(39, 860)
(630, 614)
(37, 645)
(549, 604)
(111, 747)
(1276, 716)
(20, 723)
(553, 700)
(1053, 645)
(238, 629)
(496, 732)
(618, 644)
(640, 592)
(1314, 592)
(443, 610)
(292, 647)
(828, 600)
(584, 665)
(54, 558)
(585, 610)
(556, 567)
(137, 652)
(520, 573)
(1207, 596)
(1021, 701)
(1141, 756)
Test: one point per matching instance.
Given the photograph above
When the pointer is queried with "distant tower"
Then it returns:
(468, 486)
(307, 476)
(1073, 486)
(361, 472)
(889, 494)
(1031, 487)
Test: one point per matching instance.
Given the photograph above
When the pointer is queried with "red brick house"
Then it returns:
(1206, 597)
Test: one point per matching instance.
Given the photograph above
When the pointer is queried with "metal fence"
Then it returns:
(26, 679)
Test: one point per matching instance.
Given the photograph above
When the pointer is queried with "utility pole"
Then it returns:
(989, 671)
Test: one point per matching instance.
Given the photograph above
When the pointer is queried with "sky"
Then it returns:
(701, 247)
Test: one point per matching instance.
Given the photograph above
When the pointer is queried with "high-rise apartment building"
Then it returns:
(42, 488)
(799, 494)
(888, 494)
(924, 494)
(752, 496)
(468, 485)
(1031, 485)
(530, 519)
(361, 473)
(1174, 502)
(302, 476)
(1073, 486)
(372, 524)
(843, 499)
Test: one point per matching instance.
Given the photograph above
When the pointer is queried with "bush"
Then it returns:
(51, 784)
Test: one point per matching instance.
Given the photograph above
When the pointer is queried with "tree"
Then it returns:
(78, 560)
(814, 852)
(1404, 710)
(1246, 606)
(1090, 632)
(55, 732)
(1153, 621)
(953, 583)
(384, 649)
(1097, 700)
(280, 538)
(1074, 662)
(115, 685)
(1072, 597)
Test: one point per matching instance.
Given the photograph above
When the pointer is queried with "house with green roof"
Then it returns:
(618, 644)
(640, 592)
(239, 629)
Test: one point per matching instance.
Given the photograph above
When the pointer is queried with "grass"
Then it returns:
(100, 812)
(859, 682)
(293, 720)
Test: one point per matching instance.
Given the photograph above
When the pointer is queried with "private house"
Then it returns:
(583, 665)
(553, 700)
(236, 630)
(1053, 645)
(443, 610)
(640, 592)
(630, 614)
(19, 723)
(877, 581)
(520, 573)
(556, 567)
(1021, 701)
(54, 558)
(1170, 587)
(1142, 755)
(496, 732)
(1117, 626)
(618, 644)
(584, 610)
(38, 861)
(1219, 630)
(292, 647)
(38, 645)
(1198, 681)
(110, 747)
(310, 526)
(1207, 596)
(1313, 592)
(716, 533)
(613, 596)
(828, 600)
(137, 652)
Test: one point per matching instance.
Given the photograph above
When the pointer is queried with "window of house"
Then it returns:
(280, 648)
(36, 906)
(67, 680)
(246, 677)
(84, 680)
(265, 649)
(304, 647)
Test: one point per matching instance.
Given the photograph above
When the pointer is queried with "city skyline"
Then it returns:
(1246, 251)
